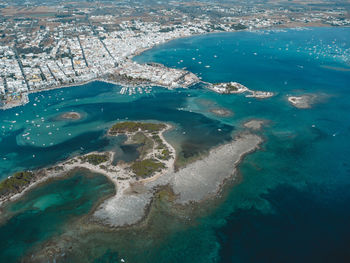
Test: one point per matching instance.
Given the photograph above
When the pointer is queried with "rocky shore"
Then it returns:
(236, 88)
(204, 178)
(135, 188)
(302, 102)
(194, 183)
(70, 116)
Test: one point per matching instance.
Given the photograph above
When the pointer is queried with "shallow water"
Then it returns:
(291, 202)
(42, 212)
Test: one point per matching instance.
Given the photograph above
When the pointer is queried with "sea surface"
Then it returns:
(291, 202)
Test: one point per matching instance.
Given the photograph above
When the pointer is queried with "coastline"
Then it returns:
(214, 225)
(132, 207)
(140, 51)
(198, 181)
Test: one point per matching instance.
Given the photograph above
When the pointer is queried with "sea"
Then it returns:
(288, 202)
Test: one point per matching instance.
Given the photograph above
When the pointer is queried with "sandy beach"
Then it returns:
(196, 182)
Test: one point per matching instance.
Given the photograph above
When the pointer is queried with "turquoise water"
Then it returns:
(101, 106)
(40, 214)
(291, 202)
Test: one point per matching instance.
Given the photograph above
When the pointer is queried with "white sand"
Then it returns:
(196, 182)
(205, 177)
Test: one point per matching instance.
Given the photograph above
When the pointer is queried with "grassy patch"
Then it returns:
(130, 126)
(165, 154)
(16, 182)
(95, 159)
(158, 140)
(231, 87)
(147, 167)
(146, 144)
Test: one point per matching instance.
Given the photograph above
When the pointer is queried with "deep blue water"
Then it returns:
(291, 203)
(304, 228)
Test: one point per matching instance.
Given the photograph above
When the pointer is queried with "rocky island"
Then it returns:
(302, 102)
(70, 116)
(235, 88)
(137, 181)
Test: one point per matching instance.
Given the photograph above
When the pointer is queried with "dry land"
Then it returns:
(302, 102)
(70, 116)
(137, 182)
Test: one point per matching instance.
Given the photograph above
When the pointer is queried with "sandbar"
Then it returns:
(194, 183)
(70, 116)
(255, 124)
(221, 112)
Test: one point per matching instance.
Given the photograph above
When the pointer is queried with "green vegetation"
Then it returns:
(230, 87)
(165, 154)
(145, 143)
(95, 159)
(16, 182)
(129, 126)
(158, 140)
(147, 167)
(139, 138)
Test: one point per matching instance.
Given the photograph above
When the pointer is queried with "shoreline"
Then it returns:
(140, 51)
(130, 205)
(134, 210)
(65, 167)
(227, 157)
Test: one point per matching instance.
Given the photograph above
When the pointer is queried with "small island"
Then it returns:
(302, 102)
(139, 180)
(70, 116)
(235, 88)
